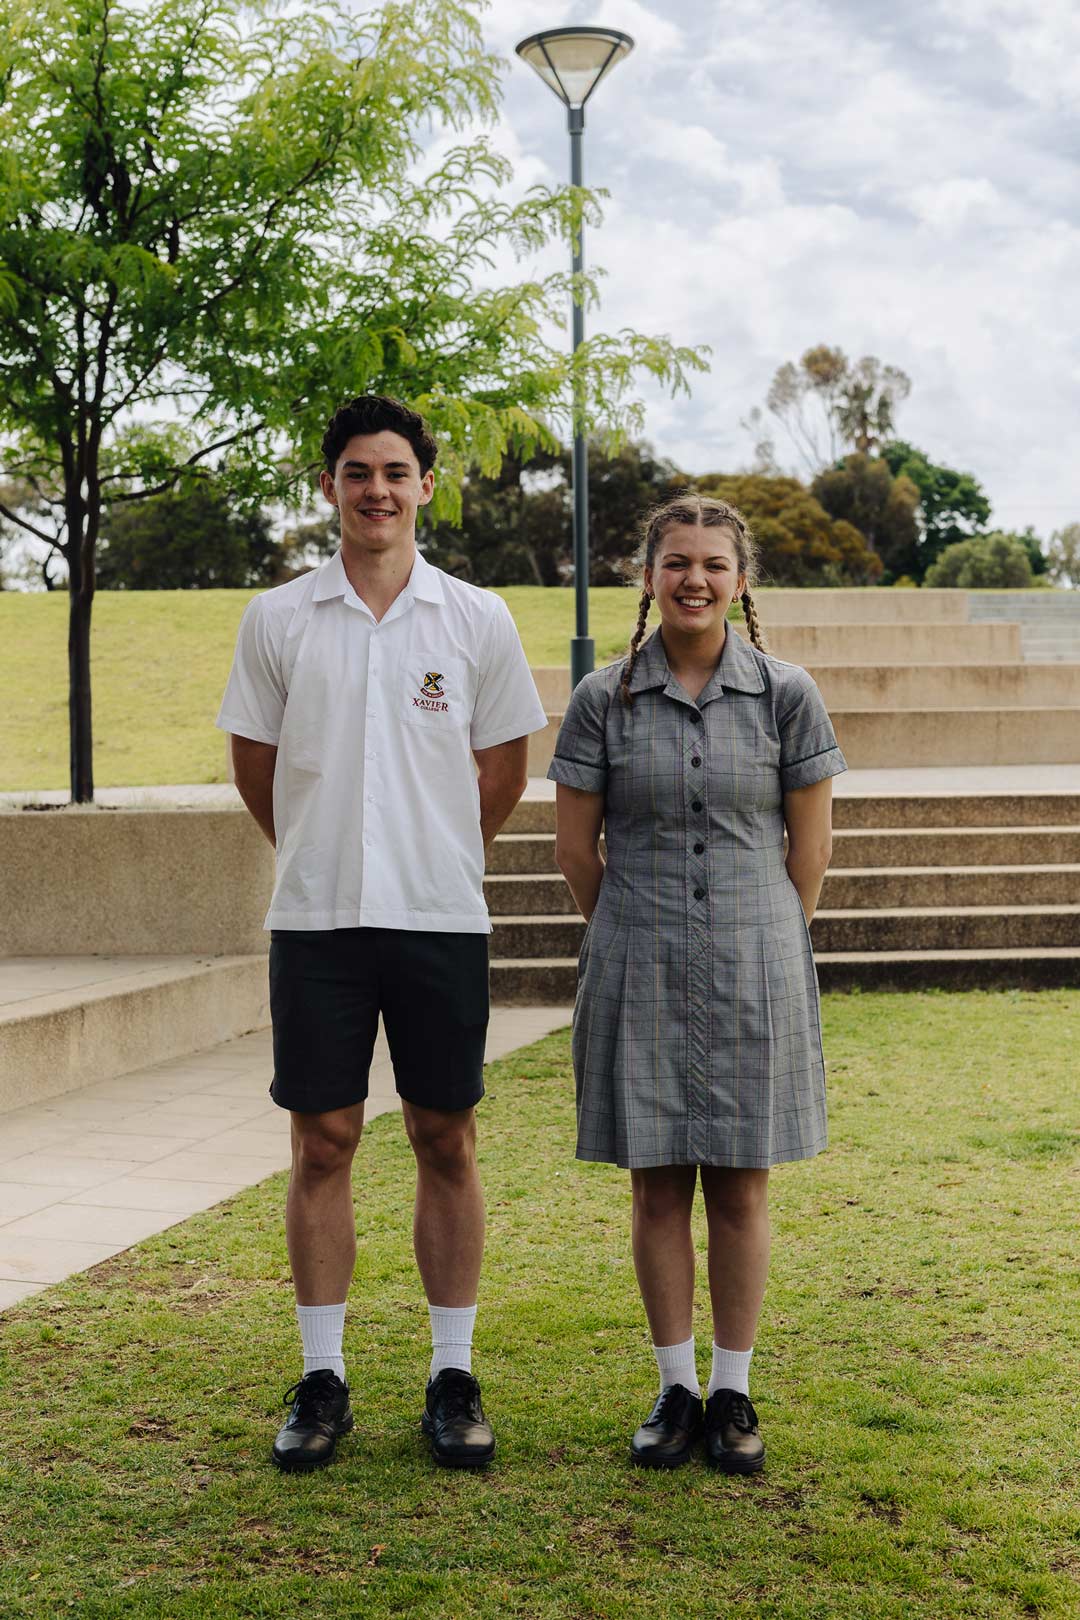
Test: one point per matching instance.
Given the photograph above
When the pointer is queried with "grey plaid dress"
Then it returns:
(697, 1032)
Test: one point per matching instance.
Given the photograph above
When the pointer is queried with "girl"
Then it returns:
(697, 1040)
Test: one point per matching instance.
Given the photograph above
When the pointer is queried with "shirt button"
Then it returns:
(696, 805)
(699, 849)
(695, 760)
(699, 894)
(695, 716)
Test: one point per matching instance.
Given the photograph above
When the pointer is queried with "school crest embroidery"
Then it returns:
(432, 693)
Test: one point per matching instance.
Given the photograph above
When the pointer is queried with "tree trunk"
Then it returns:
(82, 739)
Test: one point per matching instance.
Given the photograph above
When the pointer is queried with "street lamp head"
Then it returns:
(572, 61)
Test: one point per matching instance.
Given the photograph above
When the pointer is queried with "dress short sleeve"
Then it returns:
(808, 747)
(581, 747)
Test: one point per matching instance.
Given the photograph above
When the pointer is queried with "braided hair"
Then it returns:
(695, 511)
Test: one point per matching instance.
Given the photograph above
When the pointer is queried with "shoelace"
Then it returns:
(738, 1411)
(675, 1396)
(314, 1396)
(457, 1398)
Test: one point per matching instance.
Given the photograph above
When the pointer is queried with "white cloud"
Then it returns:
(899, 182)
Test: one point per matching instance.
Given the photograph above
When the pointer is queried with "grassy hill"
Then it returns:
(160, 660)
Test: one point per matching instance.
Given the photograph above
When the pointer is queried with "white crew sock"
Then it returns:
(322, 1328)
(677, 1365)
(730, 1370)
(451, 1337)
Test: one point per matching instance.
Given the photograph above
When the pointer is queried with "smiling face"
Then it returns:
(695, 578)
(377, 488)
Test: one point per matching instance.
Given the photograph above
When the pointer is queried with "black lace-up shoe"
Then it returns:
(454, 1421)
(320, 1414)
(732, 1441)
(666, 1438)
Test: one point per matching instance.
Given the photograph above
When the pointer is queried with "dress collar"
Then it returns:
(737, 671)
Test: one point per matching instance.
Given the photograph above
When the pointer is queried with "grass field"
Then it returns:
(915, 1377)
(160, 660)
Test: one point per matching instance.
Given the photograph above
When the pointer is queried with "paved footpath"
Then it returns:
(86, 1175)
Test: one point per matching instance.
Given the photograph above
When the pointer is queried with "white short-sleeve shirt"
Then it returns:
(376, 803)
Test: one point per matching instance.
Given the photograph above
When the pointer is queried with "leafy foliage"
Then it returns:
(799, 543)
(862, 491)
(952, 505)
(987, 562)
(517, 529)
(184, 539)
(216, 223)
(826, 404)
(1064, 556)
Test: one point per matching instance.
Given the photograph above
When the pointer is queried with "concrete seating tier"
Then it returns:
(909, 679)
(1048, 621)
(945, 889)
(68, 1021)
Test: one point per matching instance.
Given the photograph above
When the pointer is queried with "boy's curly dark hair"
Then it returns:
(378, 413)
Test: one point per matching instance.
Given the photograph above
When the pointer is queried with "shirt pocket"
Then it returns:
(434, 692)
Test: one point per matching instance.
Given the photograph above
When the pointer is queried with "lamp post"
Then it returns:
(571, 62)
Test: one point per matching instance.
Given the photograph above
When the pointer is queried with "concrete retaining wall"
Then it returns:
(133, 882)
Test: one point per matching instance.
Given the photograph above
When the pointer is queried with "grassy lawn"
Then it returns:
(915, 1377)
(160, 660)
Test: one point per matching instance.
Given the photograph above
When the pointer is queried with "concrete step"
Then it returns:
(1051, 968)
(66, 1021)
(554, 980)
(887, 812)
(534, 981)
(908, 928)
(876, 739)
(871, 888)
(955, 847)
(529, 895)
(946, 928)
(815, 645)
(521, 853)
(949, 686)
(863, 605)
(1025, 607)
(525, 938)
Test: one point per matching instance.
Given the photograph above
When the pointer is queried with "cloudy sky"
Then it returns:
(899, 181)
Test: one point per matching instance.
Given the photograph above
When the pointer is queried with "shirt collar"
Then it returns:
(737, 671)
(425, 582)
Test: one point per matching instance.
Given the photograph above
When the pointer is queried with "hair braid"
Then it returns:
(753, 624)
(635, 646)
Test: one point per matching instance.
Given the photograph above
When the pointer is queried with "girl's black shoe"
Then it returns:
(732, 1441)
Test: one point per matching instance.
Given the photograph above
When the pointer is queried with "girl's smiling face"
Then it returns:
(695, 578)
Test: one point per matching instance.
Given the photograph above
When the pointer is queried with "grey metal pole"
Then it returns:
(582, 647)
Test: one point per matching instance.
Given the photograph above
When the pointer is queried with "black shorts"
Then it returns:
(327, 989)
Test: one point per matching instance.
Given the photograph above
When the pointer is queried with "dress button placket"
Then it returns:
(699, 947)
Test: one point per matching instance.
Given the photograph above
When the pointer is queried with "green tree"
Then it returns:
(862, 491)
(1064, 556)
(799, 543)
(216, 224)
(516, 527)
(952, 505)
(187, 538)
(988, 562)
(1040, 562)
(827, 404)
